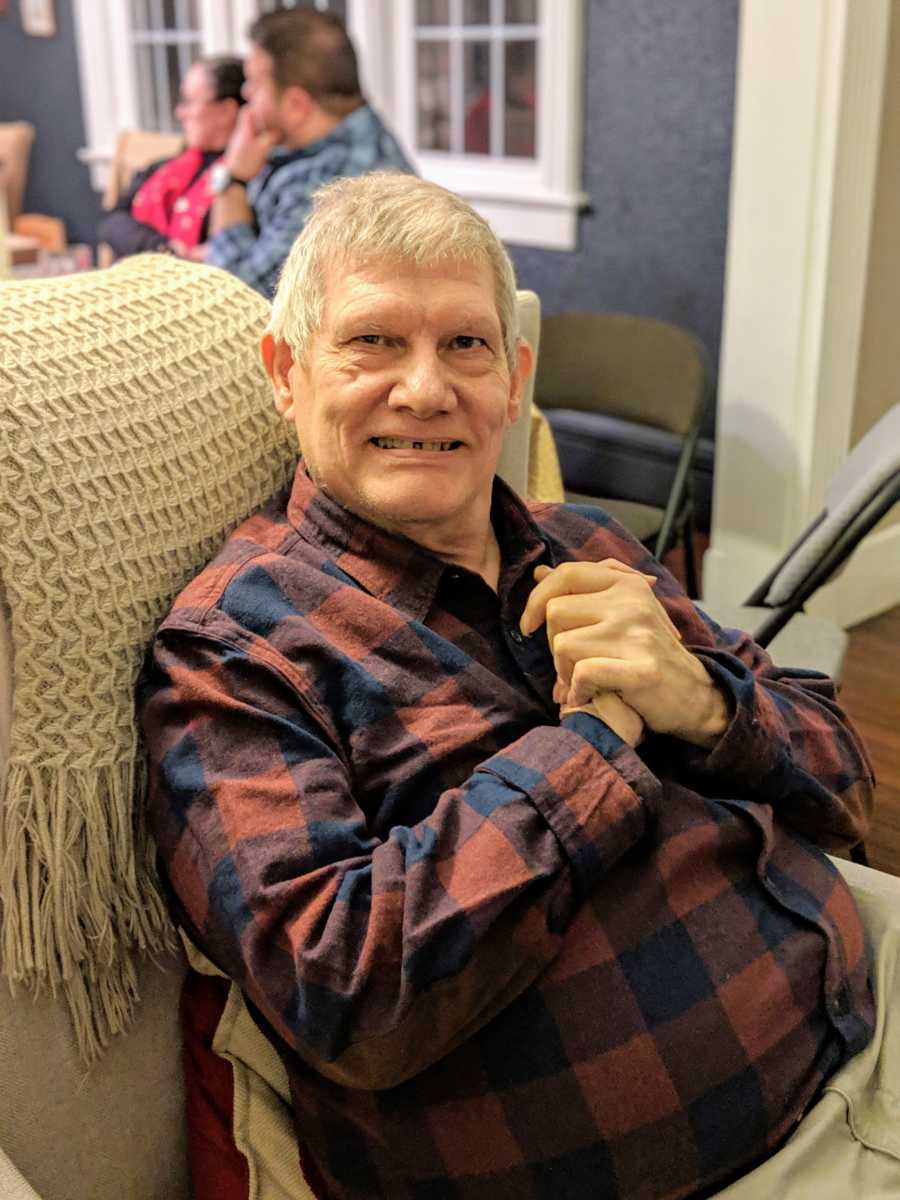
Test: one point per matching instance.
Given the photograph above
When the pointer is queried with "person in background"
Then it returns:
(168, 204)
(306, 122)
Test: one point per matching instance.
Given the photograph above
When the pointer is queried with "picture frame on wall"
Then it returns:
(38, 17)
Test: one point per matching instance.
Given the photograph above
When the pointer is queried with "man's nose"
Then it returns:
(424, 386)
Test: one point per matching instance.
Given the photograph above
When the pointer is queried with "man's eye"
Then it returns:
(371, 339)
(467, 341)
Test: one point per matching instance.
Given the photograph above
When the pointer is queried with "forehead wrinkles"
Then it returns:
(359, 288)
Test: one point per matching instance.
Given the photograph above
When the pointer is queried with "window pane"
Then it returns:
(187, 15)
(477, 12)
(169, 16)
(433, 70)
(477, 83)
(139, 16)
(521, 12)
(520, 99)
(146, 88)
(173, 74)
(432, 12)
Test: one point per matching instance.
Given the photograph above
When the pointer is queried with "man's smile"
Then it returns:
(393, 443)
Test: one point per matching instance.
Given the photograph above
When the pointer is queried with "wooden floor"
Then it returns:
(870, 694)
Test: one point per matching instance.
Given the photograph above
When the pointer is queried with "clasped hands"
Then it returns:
(619, 657)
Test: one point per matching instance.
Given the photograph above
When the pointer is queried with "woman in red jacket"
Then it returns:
(167, 206)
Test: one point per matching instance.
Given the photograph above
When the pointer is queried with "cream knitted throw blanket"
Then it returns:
(136, 431)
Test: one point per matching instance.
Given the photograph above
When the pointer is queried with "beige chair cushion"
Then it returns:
(513, 464)
(114, 1132)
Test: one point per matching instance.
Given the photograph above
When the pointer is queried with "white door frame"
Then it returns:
(810, 83)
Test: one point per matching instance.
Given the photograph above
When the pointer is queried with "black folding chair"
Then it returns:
(625, 397)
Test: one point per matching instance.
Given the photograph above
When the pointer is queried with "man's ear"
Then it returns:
(524, 363)
(278, 361)
(297, 102)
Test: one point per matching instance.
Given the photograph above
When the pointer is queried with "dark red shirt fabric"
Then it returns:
(501, 955)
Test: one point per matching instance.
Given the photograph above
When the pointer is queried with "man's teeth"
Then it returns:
(403, 444)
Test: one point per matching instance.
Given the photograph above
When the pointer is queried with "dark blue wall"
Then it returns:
(39, 83)
(659, 106)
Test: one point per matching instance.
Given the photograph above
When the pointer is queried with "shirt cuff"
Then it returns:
(230, 245)
(754, 751)
(589, 786)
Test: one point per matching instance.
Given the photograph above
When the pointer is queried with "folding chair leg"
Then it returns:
(858, 854)
(690, 559)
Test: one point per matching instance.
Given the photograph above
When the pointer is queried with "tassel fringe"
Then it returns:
(79, 896)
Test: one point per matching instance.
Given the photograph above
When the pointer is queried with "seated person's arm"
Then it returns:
(235, 243)
(254, 256)
(370, 952)
(121, 231)
(736, 723)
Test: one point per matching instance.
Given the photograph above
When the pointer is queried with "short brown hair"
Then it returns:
(312, 50)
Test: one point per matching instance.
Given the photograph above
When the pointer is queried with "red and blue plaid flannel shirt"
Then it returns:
(501, 955)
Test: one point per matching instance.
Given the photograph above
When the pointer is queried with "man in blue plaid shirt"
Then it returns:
(305, 123)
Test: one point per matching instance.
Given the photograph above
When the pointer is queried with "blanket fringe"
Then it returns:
(79, 895)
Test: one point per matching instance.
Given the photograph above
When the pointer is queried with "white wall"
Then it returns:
(807, 123)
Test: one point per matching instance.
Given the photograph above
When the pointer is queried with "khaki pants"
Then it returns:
(846, 1148)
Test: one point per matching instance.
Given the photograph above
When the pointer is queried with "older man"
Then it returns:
(305, 122)
(507, 847)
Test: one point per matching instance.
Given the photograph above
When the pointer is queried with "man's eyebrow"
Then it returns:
(358, 318)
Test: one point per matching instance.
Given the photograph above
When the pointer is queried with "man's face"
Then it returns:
(261, 92)
(403, 397)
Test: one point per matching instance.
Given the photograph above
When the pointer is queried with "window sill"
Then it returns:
(99, 159)
(512, 195)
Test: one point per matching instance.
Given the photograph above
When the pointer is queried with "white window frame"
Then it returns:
(528, 202)
(107, 73)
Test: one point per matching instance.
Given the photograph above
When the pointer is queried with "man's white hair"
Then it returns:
(385, 215)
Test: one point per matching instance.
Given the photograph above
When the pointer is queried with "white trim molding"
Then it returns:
(807, 127)
(108, 96)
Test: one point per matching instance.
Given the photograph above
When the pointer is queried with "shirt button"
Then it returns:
(516, 636)
(839, 1006)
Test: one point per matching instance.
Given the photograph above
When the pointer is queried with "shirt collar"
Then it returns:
(392, 567)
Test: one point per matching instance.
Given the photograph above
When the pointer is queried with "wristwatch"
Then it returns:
(221, 178)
